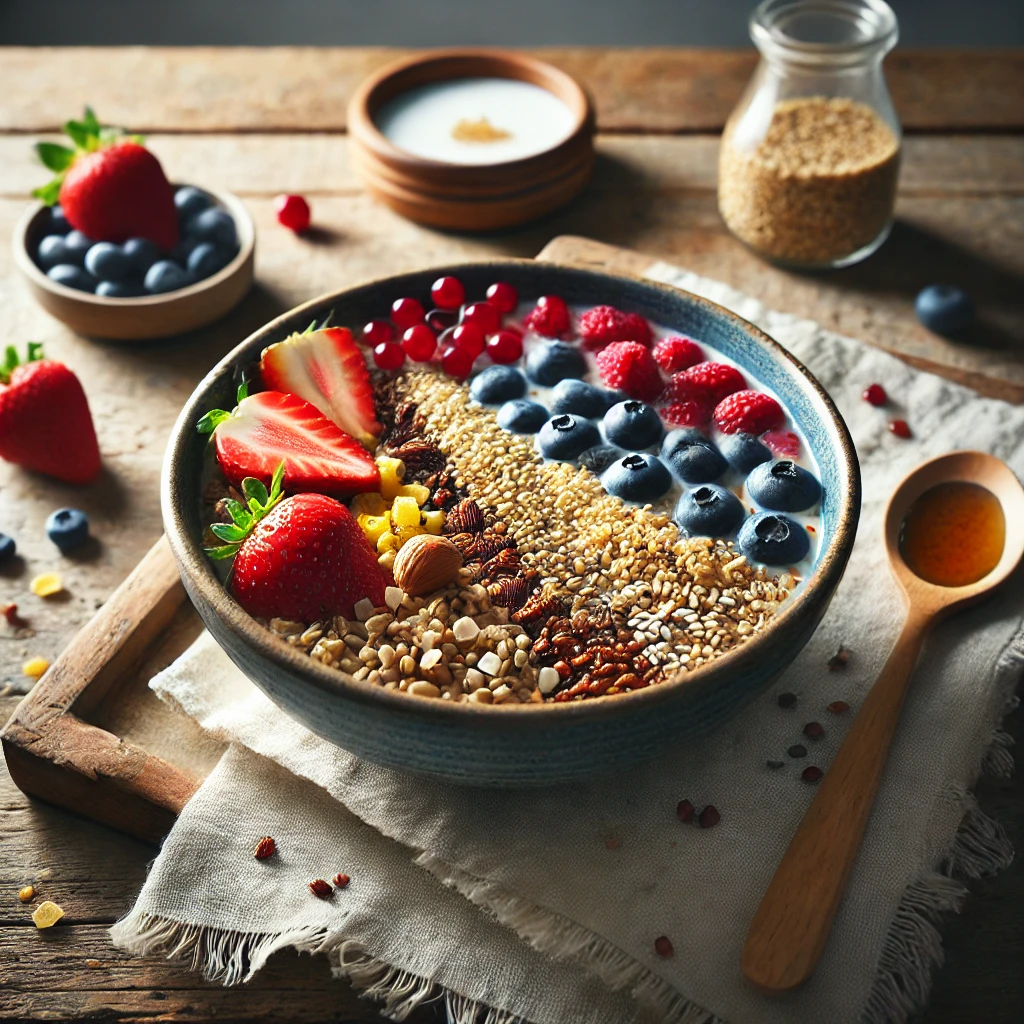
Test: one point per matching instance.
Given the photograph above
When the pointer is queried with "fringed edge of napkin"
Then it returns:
(912, 950)
(231, 957)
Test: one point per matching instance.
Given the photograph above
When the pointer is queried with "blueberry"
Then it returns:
(498, 384)
(78, 245)
(598, 459)
(744, 451)
(183, 249)
(7, 548)
(708, 510)
(53, 250)
(693, 457)
(206, 259)
(118, 289)
(579, 397)
(773, 539)
(553, 362)
(637, 477)
(58, 221)
(165, 276)
(633, 425)
(67, 528)
(190, 201)
(783, 486)
(522, 416)
(72, 277)
(213, 226)
(944, 309)
(566, 435)
(107, 261)
(142, 253)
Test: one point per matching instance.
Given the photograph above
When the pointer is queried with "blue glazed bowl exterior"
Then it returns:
(525, 745)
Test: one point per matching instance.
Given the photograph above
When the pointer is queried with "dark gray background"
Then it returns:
(462, 22)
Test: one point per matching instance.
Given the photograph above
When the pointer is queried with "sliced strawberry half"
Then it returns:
(272, 427)
(326, 368)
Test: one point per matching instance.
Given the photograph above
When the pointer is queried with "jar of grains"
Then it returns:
(810, 157)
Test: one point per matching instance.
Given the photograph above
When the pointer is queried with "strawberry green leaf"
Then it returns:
(34, 351)
(276, 482)
(209, 423)
(256, 492)
(243, 391)
(11, 361)
(327, 321)
(56, 158)
(311, 328)
(90, 120)
(225, 531)
(239, 515)
(49, 193)
(219, 554)
(83, 135)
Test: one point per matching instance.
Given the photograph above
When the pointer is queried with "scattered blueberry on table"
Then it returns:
(8, 548)
(209, 242)
(944, 308)
(68, 528)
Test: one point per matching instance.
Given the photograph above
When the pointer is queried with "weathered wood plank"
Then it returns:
(318, 164)
(307, 89)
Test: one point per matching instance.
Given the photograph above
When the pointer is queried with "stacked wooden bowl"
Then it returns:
(477, 196)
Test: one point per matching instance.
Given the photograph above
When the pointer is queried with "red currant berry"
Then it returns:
(292, 212)
(407, 313)
(388, 355)
(377, 331)
(874, 394)
(419, 343)
(900, 428)
(468, 337)
(503, 296)
(484, 315)
(504, 347)
(448, 293)
(457, 362)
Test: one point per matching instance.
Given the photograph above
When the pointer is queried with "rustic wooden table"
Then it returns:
(263, 122)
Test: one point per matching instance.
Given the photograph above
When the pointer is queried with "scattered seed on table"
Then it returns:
(35, 667)
(318, 887)
(27, 893)
(787, 700)
(46, 584)
(663, 947)
(774, 765)
(265, 848)
(839, 659)
(797, 750)
(685, 811)
(838, 707)
(709, 817)
(814, 730)
(811, 774)
(341, 881)
(10, 611)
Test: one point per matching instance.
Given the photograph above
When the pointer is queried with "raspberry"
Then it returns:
(630, 367)
(550, 317)
(705, 382)
(783, 443)
(675, 354)
(686, 414)
(748, 412)
(603, 325)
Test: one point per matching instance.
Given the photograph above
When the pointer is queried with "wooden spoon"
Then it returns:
(792, 924)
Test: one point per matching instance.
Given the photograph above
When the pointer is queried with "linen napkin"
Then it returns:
(592, 874)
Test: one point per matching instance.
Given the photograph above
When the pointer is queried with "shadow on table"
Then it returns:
(912, 259)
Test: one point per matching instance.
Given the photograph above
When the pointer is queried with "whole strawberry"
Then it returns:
(603, 325)
(110, 186)
(303, 558)
(45, 424)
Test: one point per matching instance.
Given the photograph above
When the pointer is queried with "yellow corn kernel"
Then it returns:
(392, 471)
(47, 914)
(27, 893)
(374, 526)
(405, 512)
(387, 542)
(47, 584)
(433, 522)
(417, 491)
(371, 504)
(35, 667)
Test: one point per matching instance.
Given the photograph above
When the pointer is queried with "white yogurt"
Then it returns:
(511, 119)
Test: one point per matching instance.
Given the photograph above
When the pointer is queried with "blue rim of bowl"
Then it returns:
(188, 551)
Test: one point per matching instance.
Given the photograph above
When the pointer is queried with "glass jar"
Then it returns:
(810, 156)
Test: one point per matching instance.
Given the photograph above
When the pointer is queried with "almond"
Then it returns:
(426, 563)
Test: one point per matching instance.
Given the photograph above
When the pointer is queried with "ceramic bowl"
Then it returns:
(520, 745)
(148, 316)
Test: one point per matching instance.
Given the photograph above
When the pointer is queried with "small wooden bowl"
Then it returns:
(148, 316)
(470, 197)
